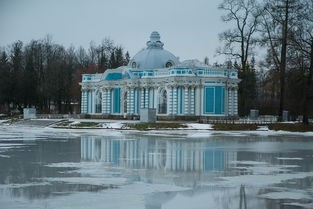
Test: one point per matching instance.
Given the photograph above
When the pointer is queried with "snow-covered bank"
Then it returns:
(72, 128)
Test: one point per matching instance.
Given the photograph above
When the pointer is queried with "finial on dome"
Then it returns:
(155, 41)
(155, 36)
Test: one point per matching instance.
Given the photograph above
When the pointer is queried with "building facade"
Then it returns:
(155, 78)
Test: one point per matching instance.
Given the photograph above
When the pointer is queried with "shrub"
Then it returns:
(234, 127)
(147, 126)
(293, 127)
(86, 124)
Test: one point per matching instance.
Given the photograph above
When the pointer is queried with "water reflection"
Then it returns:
(168, 155)
(157, 172)
(195, 163)
(22, 173)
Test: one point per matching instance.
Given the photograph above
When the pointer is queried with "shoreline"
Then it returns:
(190, 129)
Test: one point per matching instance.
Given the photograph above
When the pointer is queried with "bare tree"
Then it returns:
(239, 42)
(278, 20)
(245, 14)
(302, 43)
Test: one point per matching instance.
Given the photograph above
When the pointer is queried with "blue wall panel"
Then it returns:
(214, 97)
(218, 100)
(113, 76)
(209, 100)
(116, 100)
(181, 100)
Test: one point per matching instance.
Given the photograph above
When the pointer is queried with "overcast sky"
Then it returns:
(188, 28)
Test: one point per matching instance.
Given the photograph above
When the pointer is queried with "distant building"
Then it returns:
(155, 78)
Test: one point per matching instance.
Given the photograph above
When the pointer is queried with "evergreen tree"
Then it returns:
(112, 62)
(17, 66)
(5, 82)
(127, 58)
(119, 57)
(43, 73)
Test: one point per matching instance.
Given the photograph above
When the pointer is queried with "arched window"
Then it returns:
(134, 65)
(98, 102)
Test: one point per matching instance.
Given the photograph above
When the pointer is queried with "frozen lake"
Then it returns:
(107, 169)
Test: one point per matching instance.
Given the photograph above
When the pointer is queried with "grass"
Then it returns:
(86, 125)
(12, 119)
(64, 123)
(68, 124)
(235, 127)
(293, 127)
(156, 126)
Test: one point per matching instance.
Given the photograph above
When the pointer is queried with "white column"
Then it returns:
(89, 103)
(197, 101)
(132, 101)
(109, 99)
(93, 98)
(136, 102)
(103, 102)
(201, 99)
(170, 100)
(156, 98)
(186, 101)
(147, 97)
(235, 106)
(230, 102)
(142, 98)
(175, 100)
(122, 92)
(192, 100)
(127, 101)
(83, 109)
(151, 98)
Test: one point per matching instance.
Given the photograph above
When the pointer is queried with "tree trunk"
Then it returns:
(307, 96)
(283, 62)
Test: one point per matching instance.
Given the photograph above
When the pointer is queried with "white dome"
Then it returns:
(154, 56)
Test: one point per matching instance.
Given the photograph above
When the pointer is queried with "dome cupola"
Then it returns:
(154, 56)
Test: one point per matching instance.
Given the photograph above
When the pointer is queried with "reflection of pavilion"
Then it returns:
(170, 155)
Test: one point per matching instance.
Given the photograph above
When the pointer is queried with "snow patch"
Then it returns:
(257, 168)
(263, 180)
(88, 180)
(13, 186)
(198, 126)
(292, 195)
(302, 205)
(289, 158)
(5, 156)
(116, 125)
(248, 162)
(199, 135)
(262, 128)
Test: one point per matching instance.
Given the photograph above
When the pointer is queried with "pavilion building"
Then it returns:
(155, 78)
